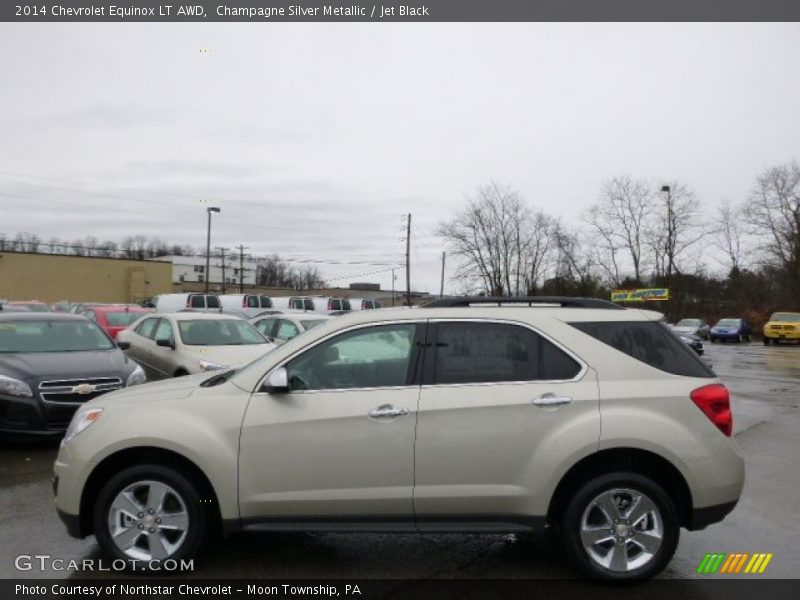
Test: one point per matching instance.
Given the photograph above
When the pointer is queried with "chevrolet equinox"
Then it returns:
(468, 415)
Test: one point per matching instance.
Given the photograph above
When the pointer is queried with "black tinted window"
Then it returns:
(212, 301)
(486, 352)
(651, 343)
(197, 302)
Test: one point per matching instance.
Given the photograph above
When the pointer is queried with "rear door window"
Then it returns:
(266, 302)
(197, 301)
(252, 302)
(212, 301)
(651, 343)
(147, 327)
(164, 331)
(497, 352)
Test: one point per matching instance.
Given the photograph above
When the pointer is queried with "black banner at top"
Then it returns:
(422, 11)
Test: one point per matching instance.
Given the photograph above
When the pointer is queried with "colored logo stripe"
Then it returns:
(721, 562)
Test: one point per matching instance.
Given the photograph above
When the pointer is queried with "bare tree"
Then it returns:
(674, 227)
(773, 213)
(574, 264)
(490, 238)
(618, 221)
(536, 256)
(729, 234)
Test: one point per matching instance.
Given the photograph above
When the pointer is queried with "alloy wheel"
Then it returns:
(148, 520)
(622, 529)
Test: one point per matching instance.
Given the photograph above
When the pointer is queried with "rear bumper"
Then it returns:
(703, 517)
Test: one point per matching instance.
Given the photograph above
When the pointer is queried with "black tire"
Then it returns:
(181, 373)
(766, 341)
(197, 515)
(582, 499)
(713, 340)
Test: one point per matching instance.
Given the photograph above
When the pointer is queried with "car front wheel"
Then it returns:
(620, 527)
(147, 514)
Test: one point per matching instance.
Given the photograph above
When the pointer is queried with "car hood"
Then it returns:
(66, 365)
(160, 391)
(229, 355)
(686, 328)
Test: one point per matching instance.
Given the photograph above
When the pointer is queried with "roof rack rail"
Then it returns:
(561, 301)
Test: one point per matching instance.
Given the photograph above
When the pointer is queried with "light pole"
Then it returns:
(209, 210)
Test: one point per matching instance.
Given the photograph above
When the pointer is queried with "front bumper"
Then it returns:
(782, 335)
(73, 523)
(30, 419)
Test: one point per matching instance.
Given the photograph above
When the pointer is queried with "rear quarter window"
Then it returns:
(651, 343)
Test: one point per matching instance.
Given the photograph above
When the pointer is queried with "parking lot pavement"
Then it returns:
(765, 385)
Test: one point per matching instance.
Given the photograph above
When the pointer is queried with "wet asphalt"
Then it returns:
(765, 386)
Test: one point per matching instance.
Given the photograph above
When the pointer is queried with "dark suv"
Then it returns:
(50, 364)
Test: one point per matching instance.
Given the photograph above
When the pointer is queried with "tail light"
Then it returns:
(715, 403)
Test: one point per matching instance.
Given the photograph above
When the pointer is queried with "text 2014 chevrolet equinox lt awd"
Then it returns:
(563, 412)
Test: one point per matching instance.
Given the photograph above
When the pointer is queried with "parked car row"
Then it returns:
(253, 305)
(782, 326)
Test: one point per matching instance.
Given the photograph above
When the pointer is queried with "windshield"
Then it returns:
(52, 336)
(122, 319)
(308, 324)
(791, 317)
(728, 323)
(689, 323)
(219, 332)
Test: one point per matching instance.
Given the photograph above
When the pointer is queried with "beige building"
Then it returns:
(54, 277)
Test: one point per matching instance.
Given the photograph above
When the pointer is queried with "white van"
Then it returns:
(294, 303)
(364, 304)
(250, 304)
(170, 303)
(326, 306)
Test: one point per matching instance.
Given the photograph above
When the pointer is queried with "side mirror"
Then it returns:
(277, 382)
(124, 345)
(165, 343)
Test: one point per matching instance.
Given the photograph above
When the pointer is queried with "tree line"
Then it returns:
(740, 259)
(271, 270)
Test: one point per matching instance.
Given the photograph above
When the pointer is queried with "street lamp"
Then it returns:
(209, 210)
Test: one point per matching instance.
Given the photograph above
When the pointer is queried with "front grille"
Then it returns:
(65, 390)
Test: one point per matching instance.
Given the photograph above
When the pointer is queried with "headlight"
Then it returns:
(206, 365)
(14, 387)
(81, 420)
(136, 377)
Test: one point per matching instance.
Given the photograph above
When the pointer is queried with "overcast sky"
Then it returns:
(316, 139)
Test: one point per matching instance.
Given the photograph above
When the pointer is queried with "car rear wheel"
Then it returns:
(620, 527)
(766, 341)
(147, 514)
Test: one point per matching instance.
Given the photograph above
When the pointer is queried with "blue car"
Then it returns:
(737, 330)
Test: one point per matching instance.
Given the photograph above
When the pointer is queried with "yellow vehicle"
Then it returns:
(782, 326)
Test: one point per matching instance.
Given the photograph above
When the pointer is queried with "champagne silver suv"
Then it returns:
(471, 414)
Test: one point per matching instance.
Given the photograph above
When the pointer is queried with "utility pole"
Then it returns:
(241, 267)
(441, 289)
(392, 287)
(408, 261)
(222, 252)
(209, 210)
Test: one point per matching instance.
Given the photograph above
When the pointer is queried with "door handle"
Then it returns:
(387, 410)
(551, 400)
